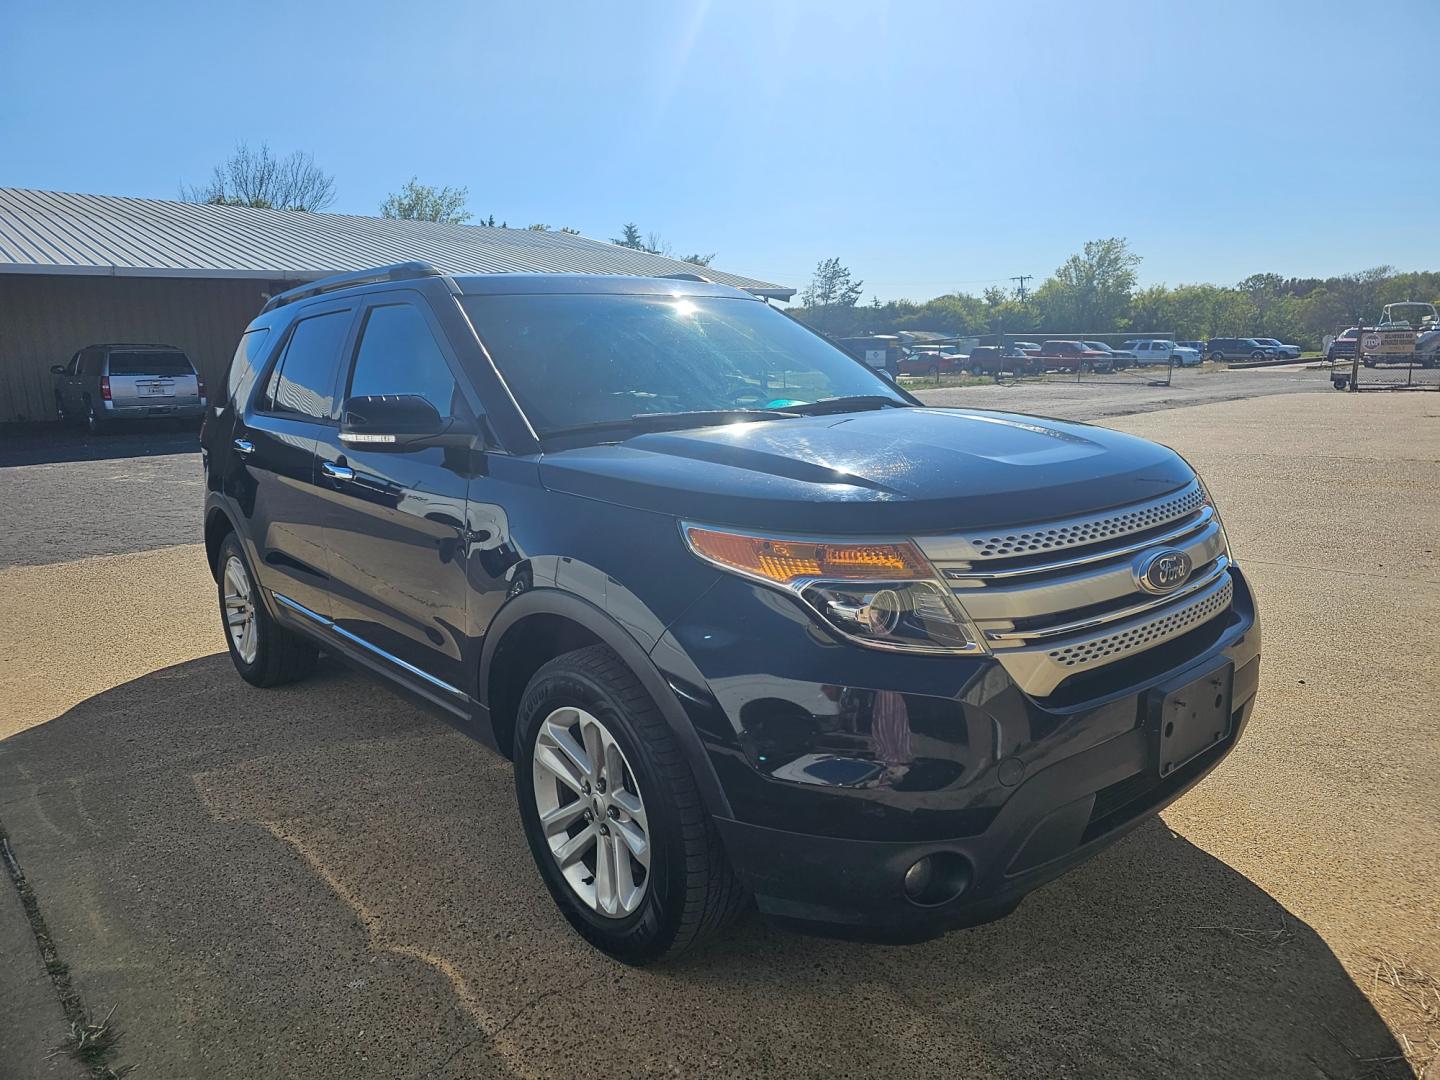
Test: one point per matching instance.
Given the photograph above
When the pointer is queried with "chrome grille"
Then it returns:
(1055, 599)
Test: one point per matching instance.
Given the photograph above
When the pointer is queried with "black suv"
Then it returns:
(1233, 348)
(751, 621)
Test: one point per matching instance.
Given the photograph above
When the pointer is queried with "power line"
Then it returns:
(1021, 278)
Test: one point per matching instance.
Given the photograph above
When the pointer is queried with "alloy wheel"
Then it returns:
(240, 620)
(591, 812)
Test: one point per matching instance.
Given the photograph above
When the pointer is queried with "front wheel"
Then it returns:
(1217, 357)
(264, 652)
(612, 813)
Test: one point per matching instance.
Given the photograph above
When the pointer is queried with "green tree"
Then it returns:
(699, 260)
(629, 237)
(832, 286)
(1091, 290)
(424, 202)
(258, 178)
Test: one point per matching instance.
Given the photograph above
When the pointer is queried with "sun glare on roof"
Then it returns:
(685, 307)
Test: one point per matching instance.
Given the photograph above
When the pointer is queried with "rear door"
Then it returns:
(276, 441)
(86, 386)
(65, 385)
(395, 523)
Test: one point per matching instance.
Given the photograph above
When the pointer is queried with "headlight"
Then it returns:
(884, 594)
(1210, 502)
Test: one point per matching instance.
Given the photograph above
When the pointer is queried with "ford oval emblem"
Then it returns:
(1162, 570)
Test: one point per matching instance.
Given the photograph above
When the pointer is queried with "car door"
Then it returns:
(396, 521)
(65, 385)
(85, 384)
(276, 440)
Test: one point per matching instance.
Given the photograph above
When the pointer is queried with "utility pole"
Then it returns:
(1021, 278)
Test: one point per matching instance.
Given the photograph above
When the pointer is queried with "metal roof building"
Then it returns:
(77, 270)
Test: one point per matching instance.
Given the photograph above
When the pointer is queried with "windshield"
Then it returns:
(1098, 346)
(577, 360)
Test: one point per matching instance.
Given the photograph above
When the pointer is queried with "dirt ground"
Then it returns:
(324, 881)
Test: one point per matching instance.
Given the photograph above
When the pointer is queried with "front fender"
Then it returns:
(557, 602)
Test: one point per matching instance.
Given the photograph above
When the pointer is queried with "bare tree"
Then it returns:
(259, 178)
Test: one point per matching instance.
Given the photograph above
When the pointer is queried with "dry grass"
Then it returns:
(91, 1044)
(1409, 999)
(1415, 993)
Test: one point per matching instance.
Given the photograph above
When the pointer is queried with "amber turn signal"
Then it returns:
(787, 561)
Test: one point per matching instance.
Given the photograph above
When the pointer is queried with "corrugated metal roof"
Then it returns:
(59, 233)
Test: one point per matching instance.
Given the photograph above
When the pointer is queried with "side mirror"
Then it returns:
(398, 422)
(57, 369)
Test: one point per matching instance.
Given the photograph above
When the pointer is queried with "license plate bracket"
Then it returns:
(1189, 716)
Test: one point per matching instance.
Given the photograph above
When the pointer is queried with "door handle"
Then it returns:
(244, 446)
(337, 472)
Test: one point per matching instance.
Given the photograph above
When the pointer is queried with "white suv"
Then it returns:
(1158, 351)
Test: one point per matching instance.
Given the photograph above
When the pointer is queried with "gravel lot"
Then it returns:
(324, 881)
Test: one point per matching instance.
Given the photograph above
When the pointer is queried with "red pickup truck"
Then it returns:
(1072, 356)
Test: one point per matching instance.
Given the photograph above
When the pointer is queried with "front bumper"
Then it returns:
(1053, 822)
(853, 765)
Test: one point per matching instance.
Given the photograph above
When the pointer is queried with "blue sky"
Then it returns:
(931, 146)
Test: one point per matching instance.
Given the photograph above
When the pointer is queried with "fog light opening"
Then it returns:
(937, 879)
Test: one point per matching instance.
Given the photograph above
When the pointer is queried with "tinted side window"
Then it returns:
(244, 365)
(399, 355)
(303, 382)
(90, 361)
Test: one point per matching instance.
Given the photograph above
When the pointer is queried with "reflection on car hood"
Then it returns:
(889, 471)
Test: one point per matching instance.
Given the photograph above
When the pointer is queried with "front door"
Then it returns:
(395, 522)
(276, 487)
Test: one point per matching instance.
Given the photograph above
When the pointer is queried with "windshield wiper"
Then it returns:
(674, 421)
(859, 403)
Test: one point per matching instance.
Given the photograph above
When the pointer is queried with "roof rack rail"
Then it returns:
(685, 275)
(406, 271)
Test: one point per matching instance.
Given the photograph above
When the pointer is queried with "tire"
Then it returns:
(276, 655)
(94, 421)
(1257, 355)
(933, 372)
(687, 892)
(60, 413)
(977, 370)
(1217, 357)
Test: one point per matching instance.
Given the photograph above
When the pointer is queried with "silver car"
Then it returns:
(108, 383)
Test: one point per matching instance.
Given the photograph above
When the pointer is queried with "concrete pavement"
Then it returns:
(322, 880)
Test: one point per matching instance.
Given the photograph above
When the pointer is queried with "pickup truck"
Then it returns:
(1073, 356)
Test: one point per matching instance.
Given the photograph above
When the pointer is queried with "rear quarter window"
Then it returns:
(245, 365)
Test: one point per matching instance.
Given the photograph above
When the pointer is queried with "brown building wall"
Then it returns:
(45, 318)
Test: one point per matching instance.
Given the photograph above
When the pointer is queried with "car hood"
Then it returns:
(915, 470)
